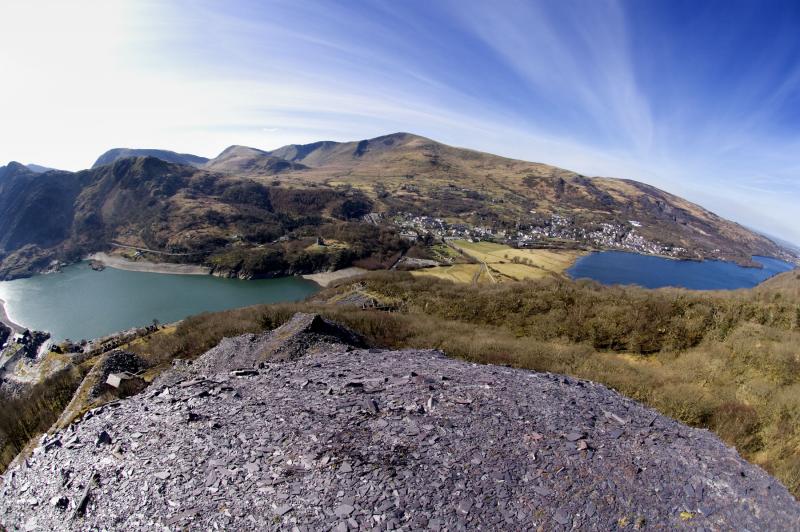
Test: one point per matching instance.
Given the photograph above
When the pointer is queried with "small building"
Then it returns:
(116, 379)
(125, 383)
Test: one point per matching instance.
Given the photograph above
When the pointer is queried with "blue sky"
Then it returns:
(701, 98)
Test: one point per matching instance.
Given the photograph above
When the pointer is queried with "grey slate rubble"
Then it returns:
(303, 334)
(368, 439)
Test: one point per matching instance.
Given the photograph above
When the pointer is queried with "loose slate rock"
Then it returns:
(343, 510)
(496, 450)
(104, 438)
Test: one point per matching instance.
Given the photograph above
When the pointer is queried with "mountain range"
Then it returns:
(250, 212)
(165, 155)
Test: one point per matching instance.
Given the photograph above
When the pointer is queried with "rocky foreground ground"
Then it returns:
(333, 437)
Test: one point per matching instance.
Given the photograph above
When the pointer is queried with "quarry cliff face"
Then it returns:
(304, 429)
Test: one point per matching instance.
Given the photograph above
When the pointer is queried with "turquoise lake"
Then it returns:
(616, 267)
(82, 303)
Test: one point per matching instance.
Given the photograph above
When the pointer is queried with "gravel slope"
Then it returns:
(350, 439)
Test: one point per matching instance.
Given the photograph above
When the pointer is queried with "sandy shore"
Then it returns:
(121, 263)
(5, 319)
(325, 279)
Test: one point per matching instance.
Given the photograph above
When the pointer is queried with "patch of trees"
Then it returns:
(352, 208)
(34, 412)
(248, 193)
(301, 201)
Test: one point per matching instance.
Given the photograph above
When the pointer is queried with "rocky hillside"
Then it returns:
(39, 169)
(36, 214)
(297, 428)
(116, 154)
(186, 206)
(241, 160)
(182, 213)
(409, 173)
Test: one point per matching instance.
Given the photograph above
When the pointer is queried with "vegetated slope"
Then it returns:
(787, 283)
(61, 215)
(36, 213)
(725, 361)
(336, 437)
(242, 160)
(183, 213)
(246, 198)
(116, 154)
(406, 172)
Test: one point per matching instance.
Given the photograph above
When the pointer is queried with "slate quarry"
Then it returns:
(336, 437)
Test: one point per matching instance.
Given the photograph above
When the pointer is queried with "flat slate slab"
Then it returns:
(366, 439)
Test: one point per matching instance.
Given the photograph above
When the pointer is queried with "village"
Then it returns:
(538, 232)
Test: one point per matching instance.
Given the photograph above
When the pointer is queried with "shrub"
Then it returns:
(738, 424)
(24, 417)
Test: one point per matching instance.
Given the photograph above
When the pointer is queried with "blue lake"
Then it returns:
(616, 267)
(81, 303)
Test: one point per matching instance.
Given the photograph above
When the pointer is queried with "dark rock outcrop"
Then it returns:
(350, 439)
(5, 333)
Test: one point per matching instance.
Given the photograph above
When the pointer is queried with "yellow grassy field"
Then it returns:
(459, 273)
(499, 263)
(529, 264)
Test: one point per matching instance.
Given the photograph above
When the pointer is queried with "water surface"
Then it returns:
(81, 303)
(617, 267)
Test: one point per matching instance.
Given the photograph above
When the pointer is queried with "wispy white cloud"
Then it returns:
(557, 82)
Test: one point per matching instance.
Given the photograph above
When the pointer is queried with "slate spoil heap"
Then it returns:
(367, 439)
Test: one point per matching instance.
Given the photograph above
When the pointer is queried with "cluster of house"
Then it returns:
(413, 226)
(29, 341)
(537, 231)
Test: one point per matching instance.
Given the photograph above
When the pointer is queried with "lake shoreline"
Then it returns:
(4, 318)
(120, 263)
(323, 279)
(80, 303)
(655, 272)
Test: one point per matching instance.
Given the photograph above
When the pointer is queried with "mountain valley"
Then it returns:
(253, 213)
